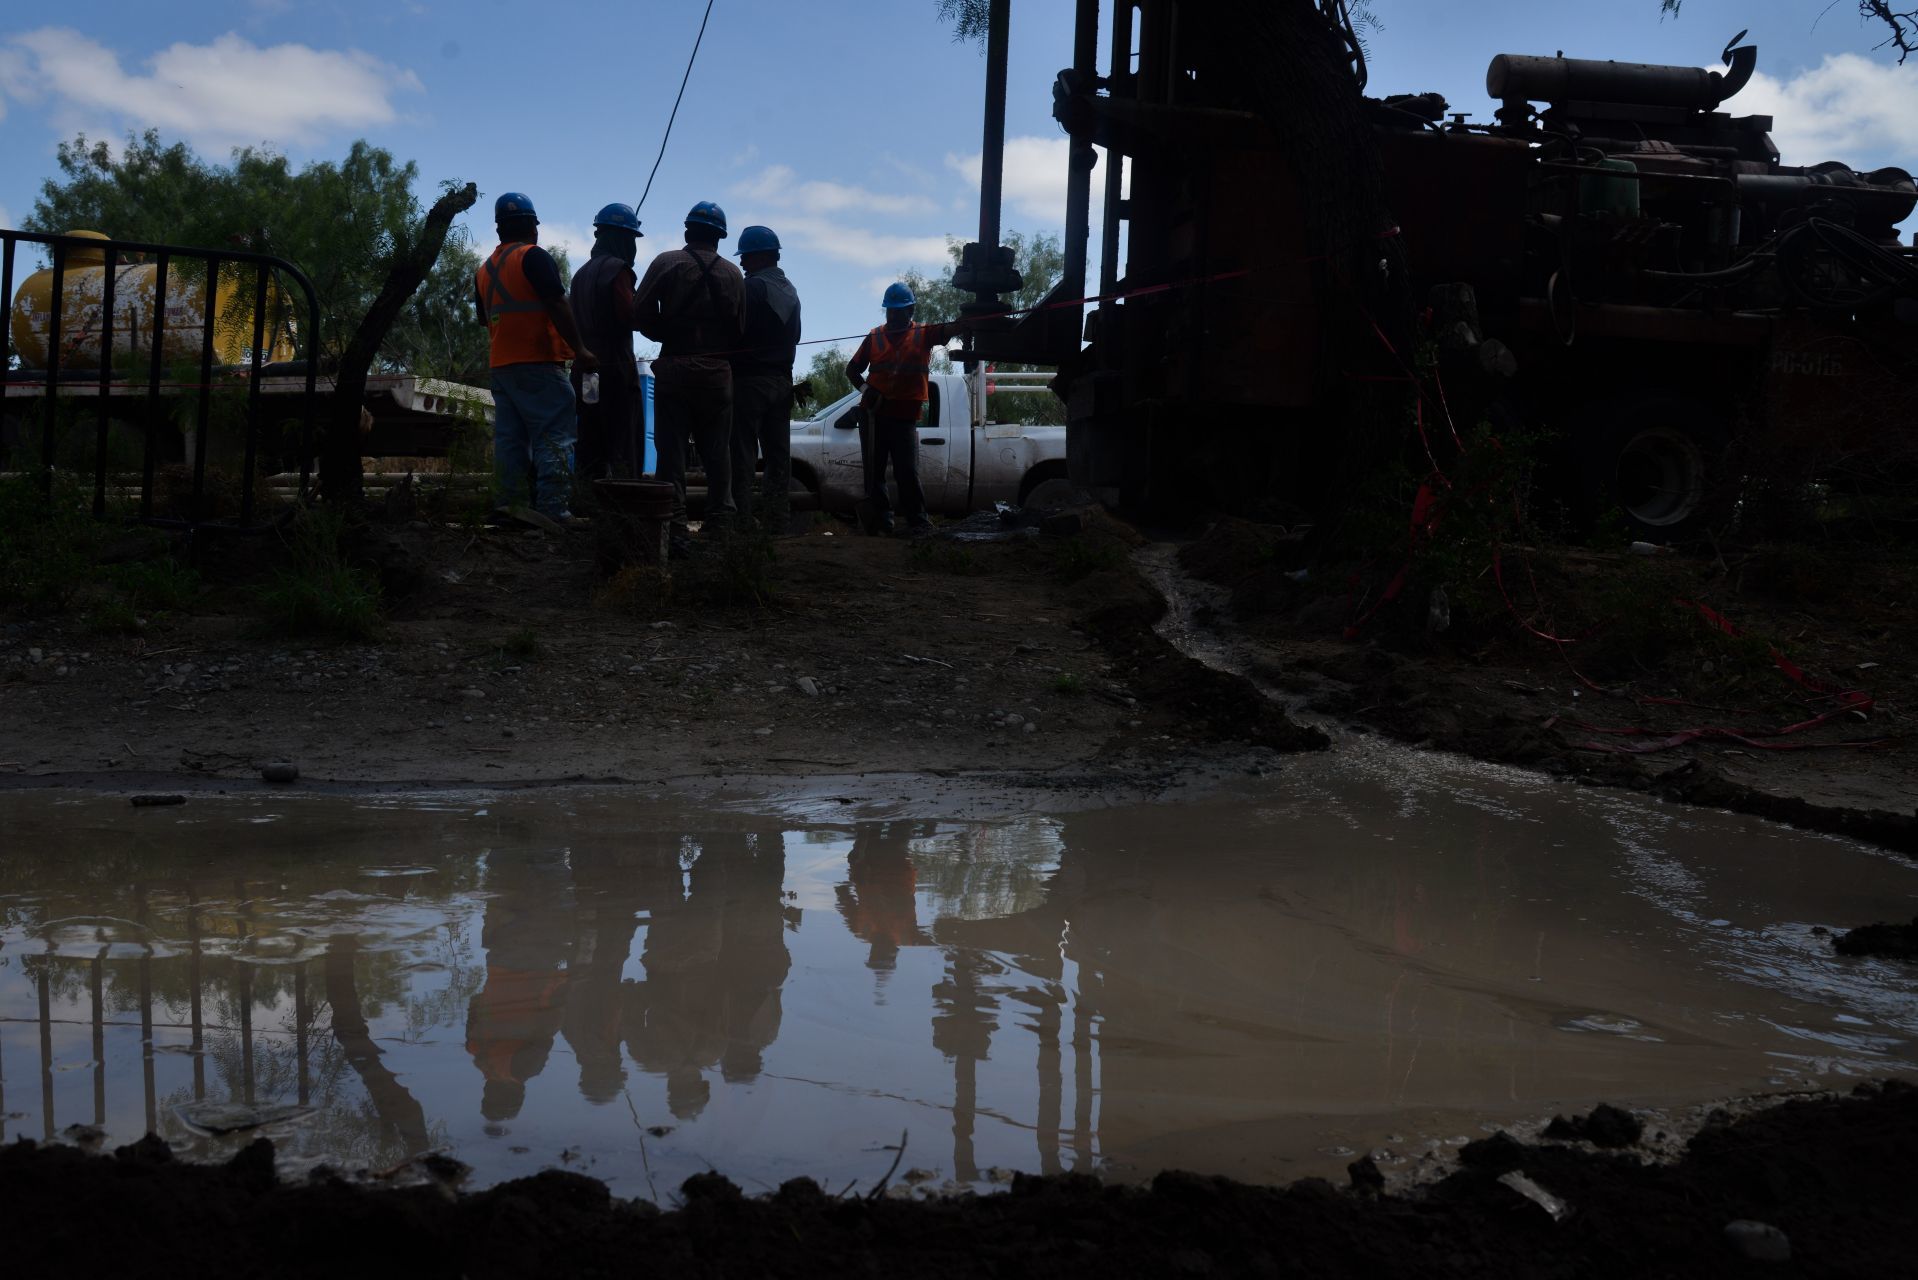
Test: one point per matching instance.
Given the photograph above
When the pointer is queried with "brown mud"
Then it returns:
(1486, 688)
(503, 662)
(1834, 1175)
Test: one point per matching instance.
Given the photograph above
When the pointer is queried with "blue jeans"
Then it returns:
(534, 425)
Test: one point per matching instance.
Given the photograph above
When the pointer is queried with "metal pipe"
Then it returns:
(6, 295)
(1120, 80)
(253, 397)
(197, 509)
(154, 416)
(993, 154)
(53, 367)
(106, 380)
(1081, 156)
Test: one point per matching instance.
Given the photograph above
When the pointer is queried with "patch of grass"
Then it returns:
(1081, 557)
(113, 616)
(524, 643)
(733, 570)
(933, 556)
(639, 589)
(318, 592)
(1068, 684)
(164, 583)
(47, 544)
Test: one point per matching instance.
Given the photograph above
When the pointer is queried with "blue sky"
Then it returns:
(849, 126)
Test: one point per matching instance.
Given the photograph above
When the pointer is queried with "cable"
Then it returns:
(675, 113)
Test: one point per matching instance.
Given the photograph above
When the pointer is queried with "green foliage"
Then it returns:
(524, 643)
(113, 616)
(319, 592)
(1068, 684)
(160, 584)
(828, 377)
(732, 570)
(1041, 262)
(969, 19)
(1076, 558)
(342, 222)
(934, 556)
(47, 544)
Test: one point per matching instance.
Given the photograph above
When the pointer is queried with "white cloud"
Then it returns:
(1845, 108)
(832, 238)
(228, 93)
(1034, 177)
(780, 187)
(6, 219)
(745, 155)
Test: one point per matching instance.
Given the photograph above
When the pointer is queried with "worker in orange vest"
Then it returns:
(891, 369)
(532, 335)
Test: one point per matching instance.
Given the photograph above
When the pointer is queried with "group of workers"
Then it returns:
(723, 379)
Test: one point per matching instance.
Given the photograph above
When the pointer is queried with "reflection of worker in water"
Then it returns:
(615, 889)
(528, 939)
(715, 962)
(879, 899)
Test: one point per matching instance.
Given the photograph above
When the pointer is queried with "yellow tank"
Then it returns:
(133, 308)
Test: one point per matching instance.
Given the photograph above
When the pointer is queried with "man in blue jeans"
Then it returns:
(531, 335)
(891, 371)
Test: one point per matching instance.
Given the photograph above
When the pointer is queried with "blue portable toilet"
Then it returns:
(651, 460)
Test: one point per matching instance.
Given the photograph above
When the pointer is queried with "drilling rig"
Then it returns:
(1612, 260)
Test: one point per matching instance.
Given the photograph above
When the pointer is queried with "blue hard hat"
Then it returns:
(708, 214)
(618, 215)
(757, 240)
(514, 205)
(897, 296)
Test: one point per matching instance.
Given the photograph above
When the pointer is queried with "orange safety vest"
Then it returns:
(899, 363)
(521, 331)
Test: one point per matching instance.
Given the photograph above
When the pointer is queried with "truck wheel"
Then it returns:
(1657, 459)
(1050, 494)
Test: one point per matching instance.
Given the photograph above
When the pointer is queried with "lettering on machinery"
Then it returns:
(1809, 364)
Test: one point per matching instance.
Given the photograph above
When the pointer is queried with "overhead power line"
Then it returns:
(675, 113)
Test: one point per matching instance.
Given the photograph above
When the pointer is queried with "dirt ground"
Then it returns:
(504, 661)
(1824, 1182)
(884, 666)
(1635, 673)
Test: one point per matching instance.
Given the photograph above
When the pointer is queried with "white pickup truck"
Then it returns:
(967, 462)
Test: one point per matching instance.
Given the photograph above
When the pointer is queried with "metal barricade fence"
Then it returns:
(156, 392)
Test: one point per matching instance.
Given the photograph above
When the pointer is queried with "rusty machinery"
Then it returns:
(1635, 268)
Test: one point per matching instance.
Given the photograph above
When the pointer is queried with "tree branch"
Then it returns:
(340, 477)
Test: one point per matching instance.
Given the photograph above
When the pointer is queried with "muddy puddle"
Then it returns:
(1376, 950)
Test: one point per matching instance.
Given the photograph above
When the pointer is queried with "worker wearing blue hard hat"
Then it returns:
(763, 381)
(892, 370)
(692, 301)
(531, 335)
(611, 429)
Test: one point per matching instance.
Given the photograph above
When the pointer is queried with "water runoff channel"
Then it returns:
(1374, 950)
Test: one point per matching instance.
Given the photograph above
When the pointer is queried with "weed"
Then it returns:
(641, 589)
(164, 583)
(933, 556)
(524, 643)
(1068, 684)
(319, 593)
(47, 543)
(732, 570)
(1076, 558)
(113, 616)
